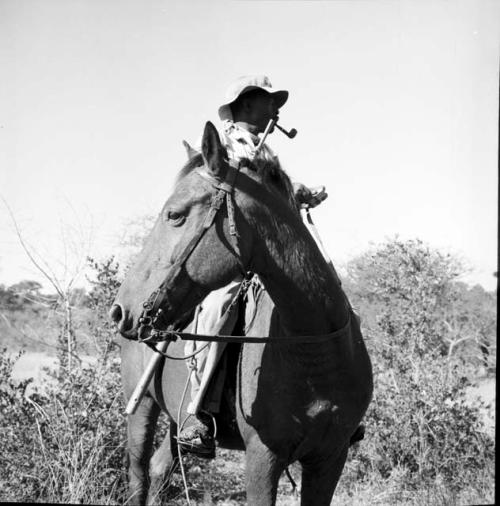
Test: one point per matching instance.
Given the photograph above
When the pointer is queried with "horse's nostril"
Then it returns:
(116, 313)
(123, 320)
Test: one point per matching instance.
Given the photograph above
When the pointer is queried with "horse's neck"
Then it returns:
(302, 285)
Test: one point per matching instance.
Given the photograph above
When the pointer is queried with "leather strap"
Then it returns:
(152, 313)
(169, 335)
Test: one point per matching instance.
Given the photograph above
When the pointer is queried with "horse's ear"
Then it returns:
(191, 152)
(211, 149)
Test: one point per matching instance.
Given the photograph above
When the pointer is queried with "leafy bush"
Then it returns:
(17, 433)
(419, 425)
(105, 284)
(65, 443)
(424, 426)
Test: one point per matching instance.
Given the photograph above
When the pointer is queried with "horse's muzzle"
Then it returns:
(123, 321)
(116, 313)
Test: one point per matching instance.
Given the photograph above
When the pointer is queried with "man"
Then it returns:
(250, 104)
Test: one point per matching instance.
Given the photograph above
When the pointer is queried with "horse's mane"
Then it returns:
(191, 164)
(273, 176)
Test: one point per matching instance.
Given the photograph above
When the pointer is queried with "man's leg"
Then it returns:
(212, 320)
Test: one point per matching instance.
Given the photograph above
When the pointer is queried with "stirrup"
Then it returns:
(201, 447)
(198, 440)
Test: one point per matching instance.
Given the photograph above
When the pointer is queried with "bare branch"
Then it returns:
(462, 339)
(51, 279)
(40, 300)
(75, 248)
(448, 326)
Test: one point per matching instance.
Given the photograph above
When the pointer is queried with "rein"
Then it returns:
(159, 336)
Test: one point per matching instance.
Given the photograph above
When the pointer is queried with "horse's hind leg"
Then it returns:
(162, 464)
(140, 431)
(320, 478)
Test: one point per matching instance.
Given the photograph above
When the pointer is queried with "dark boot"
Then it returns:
(198, 438)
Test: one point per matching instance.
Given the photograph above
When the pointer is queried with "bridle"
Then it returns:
(152, 313)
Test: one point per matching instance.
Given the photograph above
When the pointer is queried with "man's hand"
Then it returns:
(309, 197)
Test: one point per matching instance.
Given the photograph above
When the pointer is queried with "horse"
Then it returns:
(299, 398)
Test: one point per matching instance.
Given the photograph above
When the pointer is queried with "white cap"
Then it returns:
(247, 83)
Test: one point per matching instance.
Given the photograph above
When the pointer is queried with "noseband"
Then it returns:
(152, 313)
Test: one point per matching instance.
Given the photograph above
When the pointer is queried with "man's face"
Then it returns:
(262, 109)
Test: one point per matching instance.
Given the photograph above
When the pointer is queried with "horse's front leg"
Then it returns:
(140, 431)
(320, 477)
(263, 470)
(162, 465)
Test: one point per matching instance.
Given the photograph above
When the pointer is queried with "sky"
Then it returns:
(395, 103)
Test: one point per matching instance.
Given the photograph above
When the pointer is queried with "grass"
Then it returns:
(221, 482)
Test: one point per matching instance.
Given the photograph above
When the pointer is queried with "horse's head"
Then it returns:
(192, 248)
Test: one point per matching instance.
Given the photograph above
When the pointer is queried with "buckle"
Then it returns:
(146, 321)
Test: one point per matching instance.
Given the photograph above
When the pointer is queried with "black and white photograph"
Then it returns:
(249, 252)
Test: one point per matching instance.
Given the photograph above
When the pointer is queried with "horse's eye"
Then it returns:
(175, 218)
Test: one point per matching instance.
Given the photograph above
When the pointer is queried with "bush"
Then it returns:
(420, 427)
(65, 443)
(425, 443)
(422, 424)
(18, 434)
(105, 284)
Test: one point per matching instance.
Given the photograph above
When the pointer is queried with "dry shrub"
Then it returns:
(64, 443)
